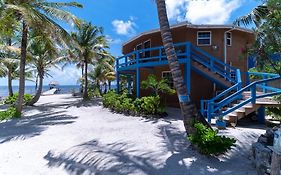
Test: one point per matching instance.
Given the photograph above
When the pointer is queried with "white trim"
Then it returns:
(149, 40)
(140, 44)
(229, 39)
(202, 38)
(165, 72)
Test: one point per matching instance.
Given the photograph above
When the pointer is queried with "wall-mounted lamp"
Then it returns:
(215, 47)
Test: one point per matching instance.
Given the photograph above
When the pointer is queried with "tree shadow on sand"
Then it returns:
(33, 125)
(175, 156)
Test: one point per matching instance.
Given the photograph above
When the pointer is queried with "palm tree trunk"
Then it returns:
(22, 67)
(10, 85)
(36, 82)
(189, 110)
(10, 79)
(38, 92)
(85, 93)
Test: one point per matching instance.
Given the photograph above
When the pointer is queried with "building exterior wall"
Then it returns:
(201, 87)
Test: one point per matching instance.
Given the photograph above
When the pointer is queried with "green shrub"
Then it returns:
(150, 105)
(12, 99)
(124, 104)
(274, 112)
(9, 113)
(209, 142)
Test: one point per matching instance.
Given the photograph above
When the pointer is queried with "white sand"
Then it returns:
(64, 136)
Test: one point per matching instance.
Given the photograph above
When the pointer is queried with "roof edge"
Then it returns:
(188, 25)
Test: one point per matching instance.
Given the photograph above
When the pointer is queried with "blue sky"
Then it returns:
(123, 19)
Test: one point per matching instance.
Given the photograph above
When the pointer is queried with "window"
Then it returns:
(228, 39)
(147, 44)
(168, 76)
(204, 38)
(139, 47)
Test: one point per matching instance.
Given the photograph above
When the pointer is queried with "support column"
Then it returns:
(129, 83)
(261, 115)
(118, 82)
(138, 83)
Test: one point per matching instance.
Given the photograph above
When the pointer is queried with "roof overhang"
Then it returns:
(201, 26)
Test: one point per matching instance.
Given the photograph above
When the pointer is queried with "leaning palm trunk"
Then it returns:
(10, 86)
(10, 79)
(85, 93)
(22, 67)
(189, 110)
(38, 92)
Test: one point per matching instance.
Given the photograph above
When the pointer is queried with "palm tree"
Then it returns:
(256, 16)
(9, 67)
(38, 15)
(45, 55)
(90, 45)
(189, 110)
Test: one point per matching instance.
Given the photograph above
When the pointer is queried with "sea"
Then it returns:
(64, 89)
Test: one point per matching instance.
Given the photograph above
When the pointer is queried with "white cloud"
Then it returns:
(202, 11)
(124, 27)
(113, 41)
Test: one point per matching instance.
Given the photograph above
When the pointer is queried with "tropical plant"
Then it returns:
(122, 103)
(38, 16)
(103, 73)
(9, 68)
(11, 100)
(45, 55)
(209, 142)
(189, 110)
(157, 86)
(90, 43)
(267, 48)
(9, 113)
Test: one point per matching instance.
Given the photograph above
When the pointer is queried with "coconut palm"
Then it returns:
(90, 45)
(9, 69)
(189, 110)
(256, 16)
(45, 55)
(39, 16)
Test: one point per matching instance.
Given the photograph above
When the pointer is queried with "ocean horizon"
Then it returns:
(30, 89)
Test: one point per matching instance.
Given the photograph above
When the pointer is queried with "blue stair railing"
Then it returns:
(183, 50)
(213, 108)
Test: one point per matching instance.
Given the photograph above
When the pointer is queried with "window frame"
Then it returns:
(204, 38)
(230, 39)
(149, 40)
(140, 53)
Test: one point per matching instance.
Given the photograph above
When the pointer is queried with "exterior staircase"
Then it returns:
(234, 103)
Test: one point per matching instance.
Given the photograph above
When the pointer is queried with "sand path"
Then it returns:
(64, 136)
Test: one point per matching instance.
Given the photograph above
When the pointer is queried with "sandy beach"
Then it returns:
(62, 135)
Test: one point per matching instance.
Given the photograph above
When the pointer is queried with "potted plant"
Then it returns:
(220, 123)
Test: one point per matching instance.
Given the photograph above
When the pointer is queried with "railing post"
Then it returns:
(202, 107)
(254, 94)
(117, 77)
(129, 83)
(126, 61)
(264, 90)
(210, 111)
